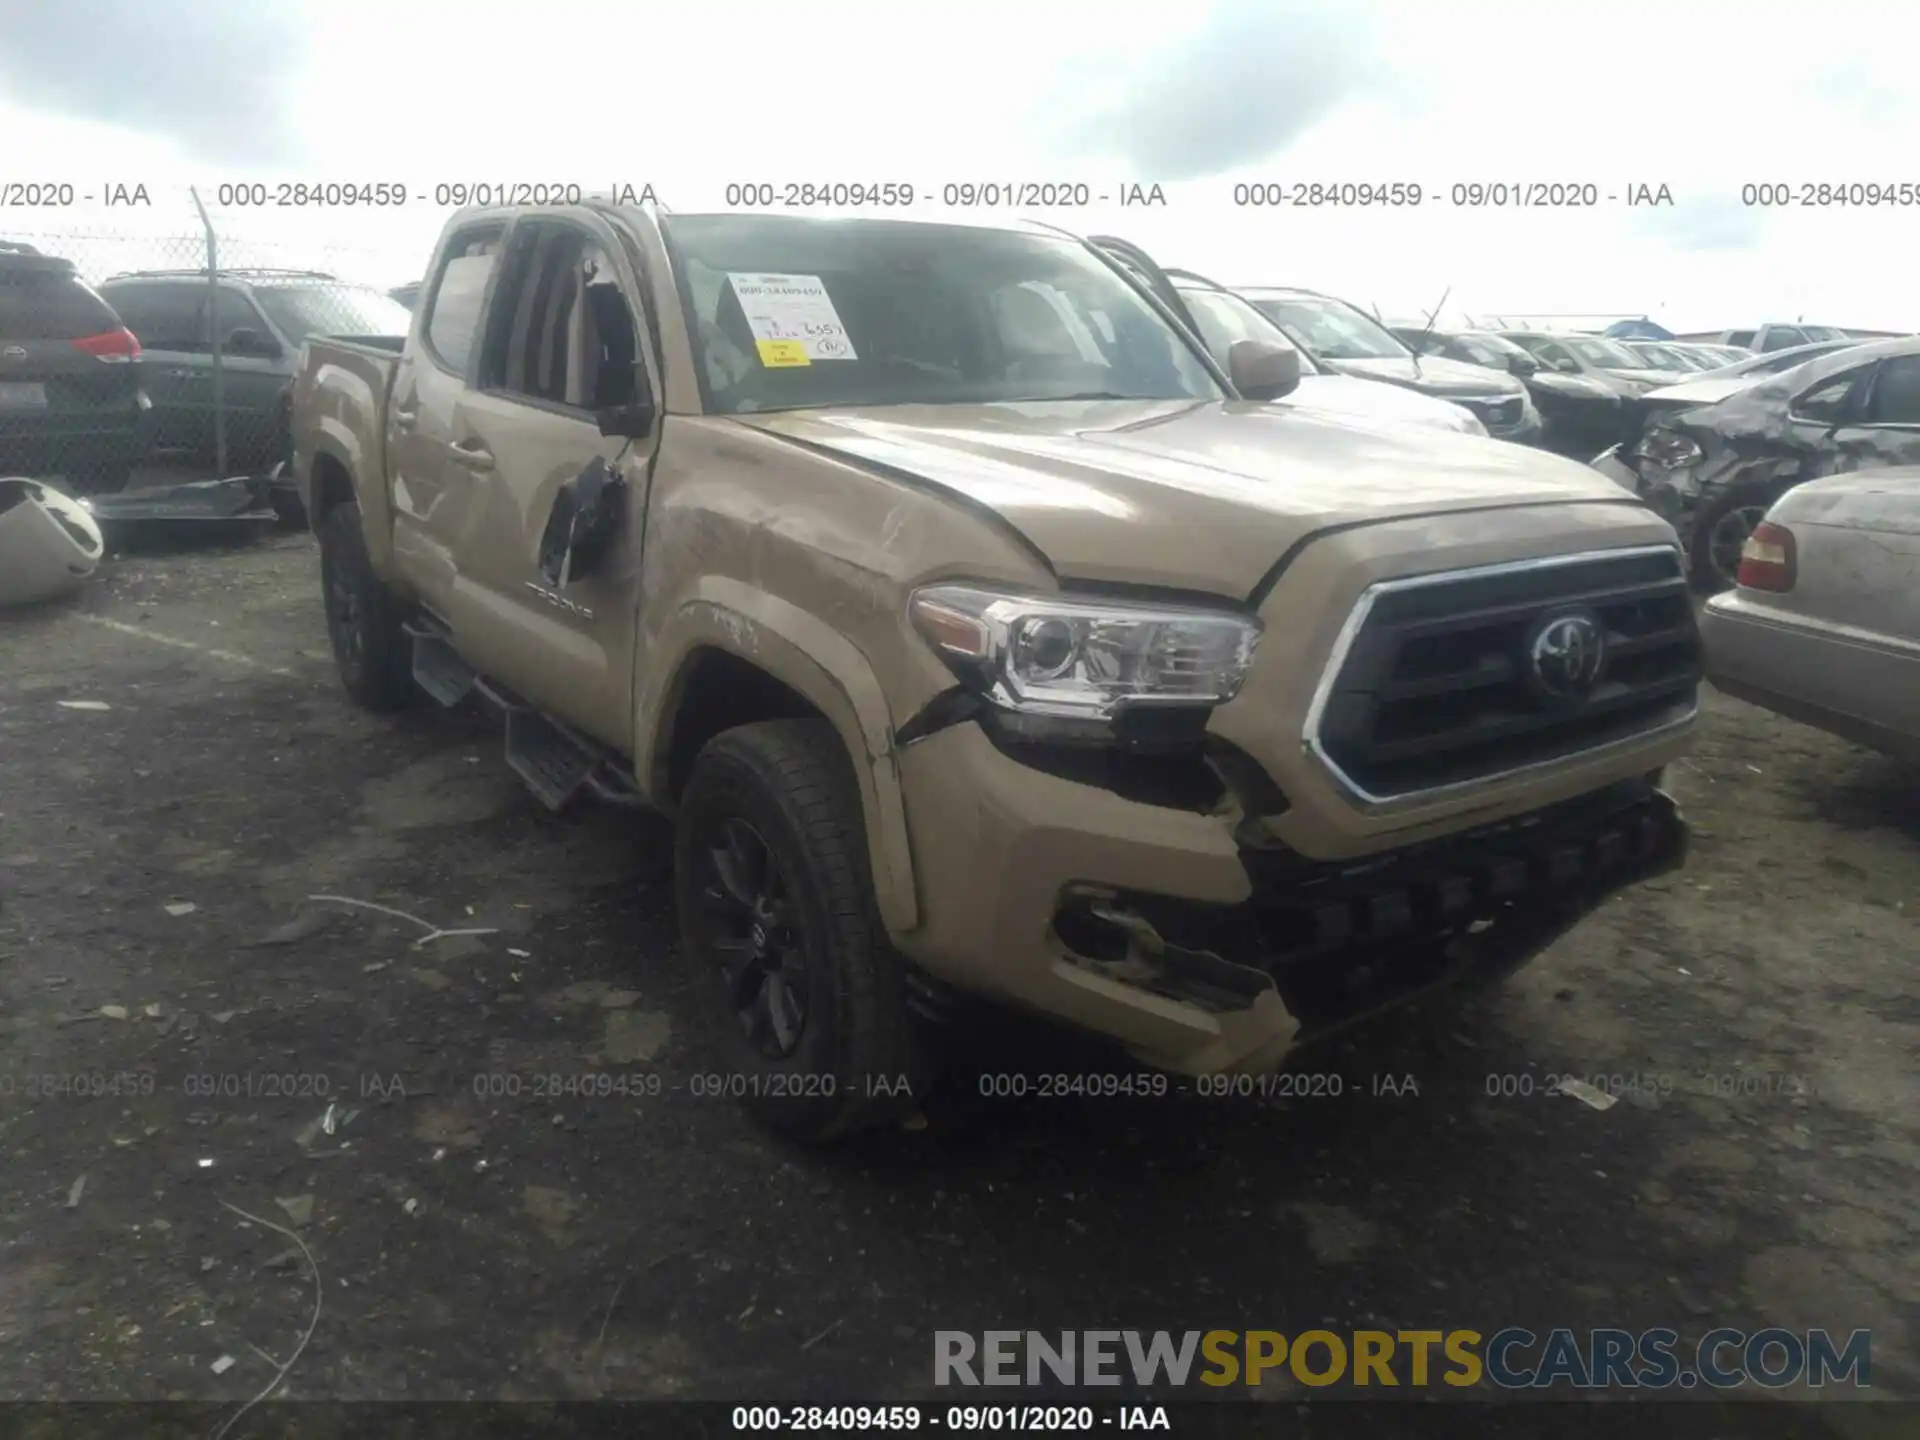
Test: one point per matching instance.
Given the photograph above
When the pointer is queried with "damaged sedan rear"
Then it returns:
(1714, 470)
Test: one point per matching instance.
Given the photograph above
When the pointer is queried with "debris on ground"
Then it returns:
(83, 705)
(281, 1367)
(231, 501)
(1587, 1094)
(181, 907)
(432, 932)
(327, 1122)
(49, 542)
(114, 1012)
(222, 1365)
(299, 1208)
(78, 1189)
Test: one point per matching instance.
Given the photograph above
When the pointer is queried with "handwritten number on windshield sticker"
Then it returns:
(784, 310)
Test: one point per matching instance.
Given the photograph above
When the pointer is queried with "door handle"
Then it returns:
(403, 419)
(473, 456)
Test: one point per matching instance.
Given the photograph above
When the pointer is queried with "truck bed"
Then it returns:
(341, 391)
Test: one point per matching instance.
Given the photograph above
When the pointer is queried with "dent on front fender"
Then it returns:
(814, 660)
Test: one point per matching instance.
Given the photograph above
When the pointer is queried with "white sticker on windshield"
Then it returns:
(792, 319)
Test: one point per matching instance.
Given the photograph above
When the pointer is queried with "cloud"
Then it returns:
(1718, 222)
(1253, 79)
(211, 75)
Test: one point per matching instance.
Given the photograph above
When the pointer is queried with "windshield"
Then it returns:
(1487, 350)
(790, 313)
(1225, 319)
(1660, 357)
(1606, 354)
(1331, 329)
(1815, 333)
(304, 311)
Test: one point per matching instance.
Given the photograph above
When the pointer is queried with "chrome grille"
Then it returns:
(1435, 685)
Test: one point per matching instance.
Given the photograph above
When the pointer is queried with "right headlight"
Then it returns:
(1084, 662)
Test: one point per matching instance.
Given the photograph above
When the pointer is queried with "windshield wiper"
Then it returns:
(1082, 395)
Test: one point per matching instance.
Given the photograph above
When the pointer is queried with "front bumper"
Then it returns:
(1672, 494)
(1860, 687)
(1155, 928)
(1527, 430)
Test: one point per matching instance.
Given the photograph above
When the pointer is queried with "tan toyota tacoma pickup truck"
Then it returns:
(987, 641)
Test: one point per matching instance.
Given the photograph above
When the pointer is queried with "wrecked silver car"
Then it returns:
(1714, 470)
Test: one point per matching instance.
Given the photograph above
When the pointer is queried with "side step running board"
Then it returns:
(557, 763)
(437, 669)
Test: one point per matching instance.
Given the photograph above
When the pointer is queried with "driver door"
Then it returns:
(564, 341)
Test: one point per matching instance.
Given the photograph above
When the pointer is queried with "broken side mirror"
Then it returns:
(632, 421)
(583, 525)
(1261, 371)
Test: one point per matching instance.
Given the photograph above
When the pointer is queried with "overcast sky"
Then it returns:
(1195, 97)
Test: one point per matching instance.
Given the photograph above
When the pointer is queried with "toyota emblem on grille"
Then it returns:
(14, 352)
(1565, 656)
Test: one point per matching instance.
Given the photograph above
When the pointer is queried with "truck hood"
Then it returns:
(1189, 495)
(1344, 395)
(1434, 376)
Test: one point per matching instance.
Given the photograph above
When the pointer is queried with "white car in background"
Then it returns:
(1824, 625)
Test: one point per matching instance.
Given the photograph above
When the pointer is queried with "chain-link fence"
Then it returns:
(169, 351)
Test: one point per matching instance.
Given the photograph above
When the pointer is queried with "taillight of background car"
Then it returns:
(1767, 559)
(116, 347)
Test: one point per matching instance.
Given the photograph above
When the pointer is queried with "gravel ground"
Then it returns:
(484, 1231)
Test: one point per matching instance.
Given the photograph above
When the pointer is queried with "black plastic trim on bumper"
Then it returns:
(1344, 941)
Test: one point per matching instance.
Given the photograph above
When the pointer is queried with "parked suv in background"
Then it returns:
(1579, 416)
(1780, 337)
(262, 317)
(1221, 319)
(71, 402)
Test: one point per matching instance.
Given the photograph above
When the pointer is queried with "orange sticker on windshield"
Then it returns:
(783, 352)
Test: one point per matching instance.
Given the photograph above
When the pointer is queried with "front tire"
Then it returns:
(778, 918)
(364, 618)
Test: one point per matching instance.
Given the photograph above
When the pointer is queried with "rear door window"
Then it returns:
(1825, 403)
(161, 316)
(453, 319)
(42, 303)
(1896, 393)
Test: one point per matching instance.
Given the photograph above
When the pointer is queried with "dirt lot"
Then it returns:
(476, 1239)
